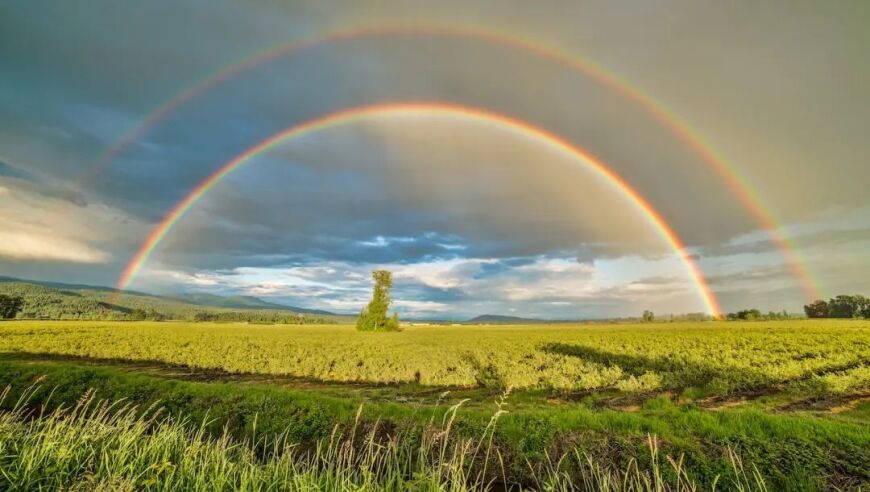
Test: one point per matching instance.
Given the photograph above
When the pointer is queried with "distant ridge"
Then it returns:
(65, 286)
(110, 299)
(243, 302)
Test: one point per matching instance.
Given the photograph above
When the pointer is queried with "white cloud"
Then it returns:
(542, 286)
(35, 224)
(266, 289)
(420, 308)
(442, 274)
(24, 245)
(382, 242)
(201, 279)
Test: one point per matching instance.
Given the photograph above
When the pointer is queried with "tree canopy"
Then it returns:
(374, 316)
(9, 306)
(842, 306)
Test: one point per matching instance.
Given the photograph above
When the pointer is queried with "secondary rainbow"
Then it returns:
(423, 108)
(746, 194)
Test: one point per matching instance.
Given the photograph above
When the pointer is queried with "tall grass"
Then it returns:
(113, 446)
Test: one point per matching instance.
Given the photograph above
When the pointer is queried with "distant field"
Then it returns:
(720, 358)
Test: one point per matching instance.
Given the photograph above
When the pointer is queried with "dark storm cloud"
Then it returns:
(415, 291)
(776, 297)
(739, 280)
(131, 56)
(16, 172)
(41, 187)
(185, 147)
(828, 237)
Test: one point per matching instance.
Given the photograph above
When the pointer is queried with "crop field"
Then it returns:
(611, 404)
(721, 358)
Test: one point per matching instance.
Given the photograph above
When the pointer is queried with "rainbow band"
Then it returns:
(744, 191)
(357, 113)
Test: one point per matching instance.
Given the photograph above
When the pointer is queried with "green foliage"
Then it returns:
(746, 315)
(9, 306)
(817, 309)
(756, 315)
(856, 306)
(842, 306)
(260, 317)
(374, 316)
(139, 314)
(47, 303)
(648, 316)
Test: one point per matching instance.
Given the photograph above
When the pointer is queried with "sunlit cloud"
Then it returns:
(455, 287)
(35, 246)
(45, 221)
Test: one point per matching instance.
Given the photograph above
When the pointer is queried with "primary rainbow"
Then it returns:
(746, 194)
(423, 108)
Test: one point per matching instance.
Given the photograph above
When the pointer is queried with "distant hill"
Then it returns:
(46, 302)
(244, 302)
(497, 319)
(53, 300)
(65, 286)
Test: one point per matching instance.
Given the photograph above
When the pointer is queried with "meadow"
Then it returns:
(720, 358)
(555, 407)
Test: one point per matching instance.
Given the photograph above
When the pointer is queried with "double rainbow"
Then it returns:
(427, 109)
(739, 185)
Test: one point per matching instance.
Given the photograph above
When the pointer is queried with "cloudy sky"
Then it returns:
(471, 217)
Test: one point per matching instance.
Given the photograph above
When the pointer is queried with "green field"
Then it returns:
(790, 398)
(718, 358)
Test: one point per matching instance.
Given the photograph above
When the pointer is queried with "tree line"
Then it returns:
(751, 314)
(756, 315)
(271, 317)
(842, 306)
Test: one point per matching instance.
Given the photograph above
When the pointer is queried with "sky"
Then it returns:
(473, 217)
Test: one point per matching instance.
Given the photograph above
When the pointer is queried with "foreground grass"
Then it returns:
(94, 445)
(792, 452)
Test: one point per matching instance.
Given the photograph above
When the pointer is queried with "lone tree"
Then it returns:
(374, 316)
(9, 306)
(648, 316)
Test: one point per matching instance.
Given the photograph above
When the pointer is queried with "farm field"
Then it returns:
(826, 357)
(789, 397)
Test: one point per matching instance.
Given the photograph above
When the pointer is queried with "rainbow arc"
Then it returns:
(731, 176)
(355, 114)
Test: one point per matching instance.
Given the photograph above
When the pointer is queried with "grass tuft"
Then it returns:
(101, 445)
